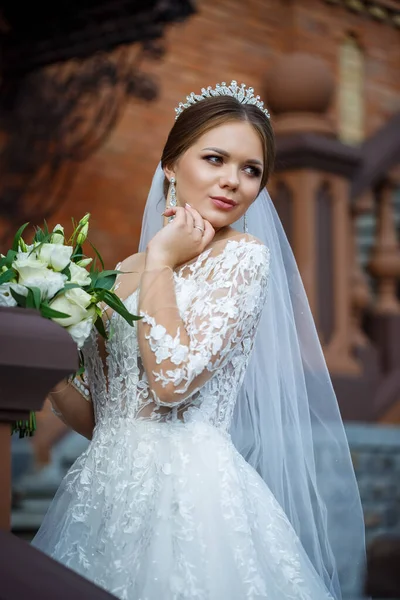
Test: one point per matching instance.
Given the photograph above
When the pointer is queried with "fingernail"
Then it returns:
(187, 204)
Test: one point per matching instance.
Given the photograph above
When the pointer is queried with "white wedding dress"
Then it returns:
(161, 505)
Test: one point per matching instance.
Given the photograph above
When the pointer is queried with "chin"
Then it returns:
(219, 223)
(218, 220)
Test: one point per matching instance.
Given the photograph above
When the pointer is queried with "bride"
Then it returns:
(218, 467)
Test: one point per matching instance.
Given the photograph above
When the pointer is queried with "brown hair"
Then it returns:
(199, 118)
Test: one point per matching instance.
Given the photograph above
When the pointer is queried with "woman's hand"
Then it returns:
(180, 240)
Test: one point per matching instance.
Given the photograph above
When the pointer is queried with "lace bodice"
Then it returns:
(220, 297)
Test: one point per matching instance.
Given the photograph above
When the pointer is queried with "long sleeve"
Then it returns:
(180, 352)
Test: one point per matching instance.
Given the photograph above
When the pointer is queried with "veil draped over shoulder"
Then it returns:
(287, 423)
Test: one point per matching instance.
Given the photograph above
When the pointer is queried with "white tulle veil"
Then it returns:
(286, 422)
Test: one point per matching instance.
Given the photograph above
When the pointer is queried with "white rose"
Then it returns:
(29, 256)
(56, 256)
(33, 273)
(79, 275)
(6, 298)
(57, 236)
(81, 331)
(75, 303)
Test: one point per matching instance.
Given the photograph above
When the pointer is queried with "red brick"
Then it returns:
(228, 39)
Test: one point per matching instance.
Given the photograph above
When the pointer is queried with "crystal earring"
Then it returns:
(172, 197)
(172, 201)
(245, 223)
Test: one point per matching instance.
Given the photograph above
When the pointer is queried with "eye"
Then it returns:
(253, 171)
(213, 159)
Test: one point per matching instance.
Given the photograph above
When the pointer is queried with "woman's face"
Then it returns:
(220, 174)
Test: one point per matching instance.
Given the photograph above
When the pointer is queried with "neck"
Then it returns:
(221, 232)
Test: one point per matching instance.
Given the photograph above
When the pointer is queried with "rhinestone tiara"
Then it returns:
(243, 95)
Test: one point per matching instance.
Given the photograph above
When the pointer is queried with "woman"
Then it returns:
(162, 504)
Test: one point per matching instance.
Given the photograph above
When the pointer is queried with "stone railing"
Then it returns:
(35, 354)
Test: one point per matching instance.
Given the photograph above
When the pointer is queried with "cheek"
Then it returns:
(198, 177)
(251, 190)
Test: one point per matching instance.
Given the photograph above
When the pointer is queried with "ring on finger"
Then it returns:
(198, 227)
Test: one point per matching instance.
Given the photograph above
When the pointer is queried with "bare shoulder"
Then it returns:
(252, 238)
(131, 270)
(134, 262)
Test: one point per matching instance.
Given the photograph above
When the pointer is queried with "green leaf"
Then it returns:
(33, 298)
(99, 295)
(81, 363)
(99, 324)
(49, 313)
(109, 272)
(116, 304)
(11, 254)
(77, 257)
(30, 302)
(93, 276)
(19, 298)
(67, 272)
(38, 235)
(77, 252)
(80, 371)
(18, 236)
(7, 276)
(98, 255)
(37, 296)
(105, 283)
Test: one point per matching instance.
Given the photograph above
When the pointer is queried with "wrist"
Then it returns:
(157, 260)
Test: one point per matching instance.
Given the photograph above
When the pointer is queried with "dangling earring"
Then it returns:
(172, 196)
(245, 223)
(172, 190)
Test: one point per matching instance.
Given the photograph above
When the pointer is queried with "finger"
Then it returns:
(180, 215)
(189, 218)
(198, 220)
(168, 211)
(209, 233)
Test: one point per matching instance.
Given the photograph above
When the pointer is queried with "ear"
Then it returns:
(169, 173)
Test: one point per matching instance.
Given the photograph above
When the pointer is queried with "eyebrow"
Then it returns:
(253, 161)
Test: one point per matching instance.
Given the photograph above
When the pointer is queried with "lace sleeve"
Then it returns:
(224, 311)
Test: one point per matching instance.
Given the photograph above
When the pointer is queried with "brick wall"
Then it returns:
(228, 39)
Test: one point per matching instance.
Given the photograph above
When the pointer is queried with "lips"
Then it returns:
(222, 202)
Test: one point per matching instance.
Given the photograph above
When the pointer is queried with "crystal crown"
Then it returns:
(243, 95)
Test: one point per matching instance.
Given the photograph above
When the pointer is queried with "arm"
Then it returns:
(73, 407)
(71, 401)
(179, 356)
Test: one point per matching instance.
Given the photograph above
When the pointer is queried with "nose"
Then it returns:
(229, 178)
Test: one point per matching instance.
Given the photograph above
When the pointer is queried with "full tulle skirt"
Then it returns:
(171, 511)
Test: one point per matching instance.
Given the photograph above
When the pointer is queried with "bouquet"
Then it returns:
(51, 275)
